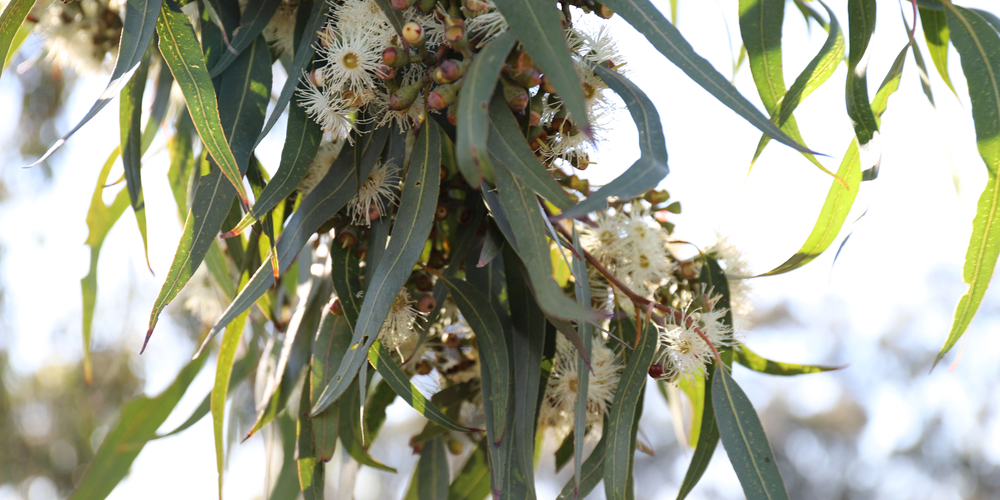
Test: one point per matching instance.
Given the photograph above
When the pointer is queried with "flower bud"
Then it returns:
(529, 79)
(336, 307)
(449, 71)
(442, 96)
(537, 138)
(605, 12)
(402, 4)
(452, 113)
(674, 208)
(515, 95)
(395, 57)
(455, 446)
(426, 303)
(547, 85)
(413, 33)
(655, 197)
(424, 283)
(347, 237)
(402, 99)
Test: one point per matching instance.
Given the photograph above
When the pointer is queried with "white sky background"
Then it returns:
(902, 266)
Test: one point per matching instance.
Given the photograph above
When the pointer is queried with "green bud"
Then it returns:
(515, 95)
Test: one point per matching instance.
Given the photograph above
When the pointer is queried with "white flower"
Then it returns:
(737, 271)
(633, 247)
(351, 58)
(280, 30)
(397, 329)
(681, 351)
(486, 26)
(559, 403)
(327, 109)
(379, 187)
(83, 35)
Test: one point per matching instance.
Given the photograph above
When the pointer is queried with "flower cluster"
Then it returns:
(559, 403)
(682, 352)
(83, 35)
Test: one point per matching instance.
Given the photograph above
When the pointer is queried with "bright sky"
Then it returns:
(902, 265)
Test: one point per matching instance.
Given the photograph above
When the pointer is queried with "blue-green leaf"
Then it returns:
(255, 17)
(130, 123)
(432, 469)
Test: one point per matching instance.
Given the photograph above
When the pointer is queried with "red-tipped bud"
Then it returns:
(426, 303)
(452, 113)
(402, 99)
(515, 95)
(413, 33)
(524, 62)
(441, 212)
(336, 307)
(395, 57)
(529, 79)
(655, 197)
(442, 96)
(449, 71)
(656, 371)
(402, 4)
(454, 34)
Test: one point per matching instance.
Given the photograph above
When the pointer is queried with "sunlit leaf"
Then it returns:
(130, 123)
(13, 15)
(979, 48)
(861, 26)
(937, 35)
(757, 363)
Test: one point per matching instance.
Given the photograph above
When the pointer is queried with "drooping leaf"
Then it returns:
(925, 81)
(329, 196)
(621, 423)
(137, 31)
(136, 425)
(474, 108)
(100, 219)
(161, 101)
(528, 234)
(744, 440)
(183, 162)
(508, 147)
(651, 167)
(311, 470)
(414, 219)
(432, 469)
(815, 74)
(708, 438)
(255, 17)
(328, 348)
(304, 51)
(591, 473)
(586, 331)
(220, 391)
(937, 35)
(242, 111)
(757, 363)
(979, 48)
(645, 18)
(130, 122)
(861, 26)
(350, 427)
(180, 50)
(14, 13)
(538, 27)
(302, 139)
(840, 198)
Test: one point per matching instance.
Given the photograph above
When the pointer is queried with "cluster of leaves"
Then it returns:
(483, 216)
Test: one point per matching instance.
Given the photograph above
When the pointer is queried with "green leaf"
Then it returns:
(760, 27)
(538, 27)
(375, 407)
(527, 232)
(979, 48)
(350, 428)
(815, 74)
(137, 31)
(645, 18)
(100, 219)
(255, 17)
(744, 440)
(529, 331)
(861, 26)
(925, 81)
(474, 108)
(621, 422)
(508, 147)
(13, 15)
(243, 106)
(757, 363)
(136, 425)
(473, 481)
(937, 35)
(303, 56)
(130, 121)
(586, 330)
(347, 284)
(591, 473)
(432, 469)
(328, 348)
(414, 219)
(220, 391)
(180, 50)
(311, 470)
(329, 196)
(287, 484)
(651, 167)
(707, 436)
(491, 340)
(302, 139)
(182, 161)
(840, 198)
(161, 101)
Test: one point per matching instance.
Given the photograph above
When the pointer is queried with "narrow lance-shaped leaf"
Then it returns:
(621, 417)
(130, 116)
(651, 167)
(591, 473)
(937, 35)
(815, 74)
(161, 101)
(538, 27)
(330, 195)
(243, 106)
(100, 219)
(508, 147)
(474, 108)
(303, 55)
(187, 63)
(413, 223)
(527, 232)
(645, 18)
(840, 199)
(861, 26)
(136, 425)
(758, 363)
(582, 369)
(432, 469)
(255, 17)
(10, 20)
(473, 481)
(220, 391)
(979, 48)
(744, 440)
(137, 31)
